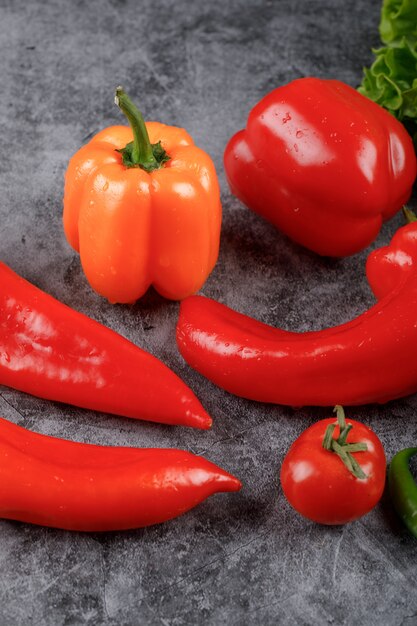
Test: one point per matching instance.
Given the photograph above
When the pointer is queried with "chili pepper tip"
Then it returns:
(227, 482)
(201, 420)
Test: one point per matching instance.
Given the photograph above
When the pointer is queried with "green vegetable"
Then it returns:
(391, 81)
(403, 489)
(398, 20)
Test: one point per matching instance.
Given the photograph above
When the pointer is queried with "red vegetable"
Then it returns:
(323, 163)
(389, 267)
(77, 486)
(366, 360)
(334, 472)
(53, 352)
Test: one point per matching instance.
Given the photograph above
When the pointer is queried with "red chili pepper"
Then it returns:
(363, 361)
(51, 351)
(78, 486)
(323, 163)
(390, 266)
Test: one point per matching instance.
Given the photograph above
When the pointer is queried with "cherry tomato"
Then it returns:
(318, 484)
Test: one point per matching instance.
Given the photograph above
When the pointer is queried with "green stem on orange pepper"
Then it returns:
(140, 152)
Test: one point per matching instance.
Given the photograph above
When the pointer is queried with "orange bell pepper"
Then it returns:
(142, 206)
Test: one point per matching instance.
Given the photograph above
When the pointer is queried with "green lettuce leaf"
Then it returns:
(391, 81)
(398, 20)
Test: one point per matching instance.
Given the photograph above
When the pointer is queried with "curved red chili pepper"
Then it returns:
(390, 265)
(78, 486)
(51, 351)
(366, 360)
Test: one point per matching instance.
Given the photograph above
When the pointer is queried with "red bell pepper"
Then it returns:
(323, 163)
(78, 486)
(51, 351)
(366, 360)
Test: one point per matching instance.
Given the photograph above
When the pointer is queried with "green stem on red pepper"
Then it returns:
(340, 447)
(403, 488)
(409, 215)
(140, 152)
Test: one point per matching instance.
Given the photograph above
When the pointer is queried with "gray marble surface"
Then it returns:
(244, 558)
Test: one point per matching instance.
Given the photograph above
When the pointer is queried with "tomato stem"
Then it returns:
(360, 446)
(344, 433)
(328, 437)
(340, 447)
(340, 414)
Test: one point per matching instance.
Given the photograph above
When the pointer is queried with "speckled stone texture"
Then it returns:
(244, 558)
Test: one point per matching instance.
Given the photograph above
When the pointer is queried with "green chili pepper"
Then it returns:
(403, 488)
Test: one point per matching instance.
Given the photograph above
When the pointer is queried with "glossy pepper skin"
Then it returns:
(77, 486)
(51, 351)
(137, 227)
(323, 163)
(366, 360)
(403, 488)
(389, 266)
